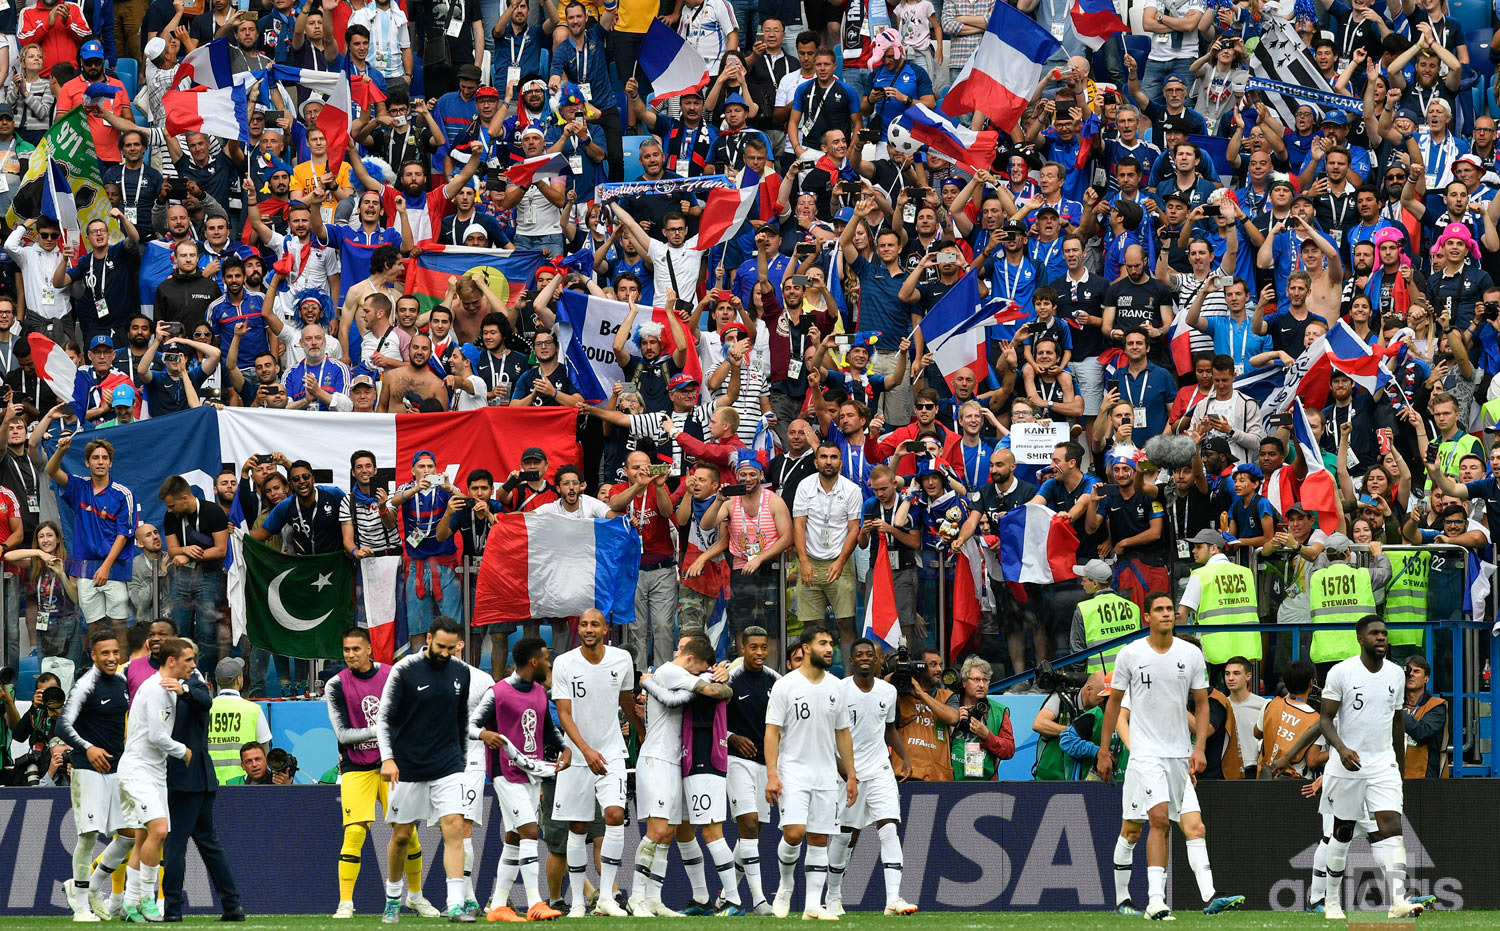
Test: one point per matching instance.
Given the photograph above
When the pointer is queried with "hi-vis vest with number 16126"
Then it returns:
(1227, 596)
(1105, 617)
(232, 723)
(1341, 594)
(1406, 594)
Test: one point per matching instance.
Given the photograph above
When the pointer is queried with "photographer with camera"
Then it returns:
(256, 769)
(34, 728)
(923, 713)
(981, 736)
(1067, 728)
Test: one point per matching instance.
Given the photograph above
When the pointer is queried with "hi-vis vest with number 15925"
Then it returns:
(1341, 594)
(1406, 594)
(1227, 596)
(1105, 617)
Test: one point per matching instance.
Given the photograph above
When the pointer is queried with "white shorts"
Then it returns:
(1364, 827)
(97, 602)
(747, 789)
(473, 795)
(518, 802)
(1356, 799)
(706, 800)
(96, 801)
(430, 802)
(879, 800)
(815, 809)
(578, 787)
(142, 803)
(1150, 781)
(658, 789)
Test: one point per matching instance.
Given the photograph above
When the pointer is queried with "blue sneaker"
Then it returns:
(1127, 908)
(392, 912)
(132, 914)
(1223, 903)
(1426, 901)
(1314, 908)
(698, 908)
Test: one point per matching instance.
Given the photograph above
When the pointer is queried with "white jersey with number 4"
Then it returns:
(594, 689)
(869, 713)
(808, 715)
(1368, 702)
(1159, 685)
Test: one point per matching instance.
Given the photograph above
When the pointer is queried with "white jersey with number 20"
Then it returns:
(808, 716)
(1159, 685)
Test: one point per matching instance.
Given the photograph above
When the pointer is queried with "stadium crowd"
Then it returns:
(1159, 244)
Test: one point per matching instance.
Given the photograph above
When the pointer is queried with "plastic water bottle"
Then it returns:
(1484, 677)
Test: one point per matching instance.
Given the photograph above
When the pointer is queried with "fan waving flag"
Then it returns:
(972, 596)
(1180, 344)
(542, 167)
(724, 212)
(338, 109)
(1318, 493)
(292, 605)
(506, 272)
(671, 65)
(222, 112)
(1037, 545)
(586, 329)
(953, 331)
(57, 199)
(881, 620)
(1094, 21)
(1005, 69)
(58, 370)
(968, 148)
(550, 565)
(208, 66)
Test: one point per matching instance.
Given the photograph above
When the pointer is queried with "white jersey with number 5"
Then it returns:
(808, 715)
(869, 713)
(1368, 702)
(594, 689)
(1159, 685)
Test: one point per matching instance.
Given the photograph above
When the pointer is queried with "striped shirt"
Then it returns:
(961, 48)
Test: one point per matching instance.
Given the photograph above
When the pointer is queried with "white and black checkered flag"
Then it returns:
(1282, 56)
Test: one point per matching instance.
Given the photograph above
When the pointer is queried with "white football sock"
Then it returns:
(132, 886)
(1338, 856)
(838, 858)
(816, 869)
(1156, 884)
(658, 872)
(1390, 854)
(529, 871)
(578, 864)
(787, 856)
(891, 861)
(103, 875)
(645, 855)
(469, 870)
(692, 863)
(610, 856)
(1319, 887)
(724, 865)
(747, 861)
(393, 888)
(455, 891)
(505, 875)
(1197, 856)
(1124, 865)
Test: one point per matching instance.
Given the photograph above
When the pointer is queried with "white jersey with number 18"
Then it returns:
(1159, 685)
(808, 715)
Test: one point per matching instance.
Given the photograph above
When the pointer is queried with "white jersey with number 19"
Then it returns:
(594, 691)
(808, 715)
(1159, 685)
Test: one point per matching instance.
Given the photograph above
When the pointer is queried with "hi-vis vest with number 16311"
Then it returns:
(1105, 617)
(1341, 594)
(1227, 596)
(1406, 594)
(232, 723)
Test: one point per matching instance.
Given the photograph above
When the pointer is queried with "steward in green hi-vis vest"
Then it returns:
(1406, 594)
(1341, 594)
(1106, 616)
(232, 723)
(1227, 596)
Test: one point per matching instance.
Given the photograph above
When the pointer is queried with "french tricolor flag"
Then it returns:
(1000, 78)
(338, 109)
(724, 212)
(1094, 21)
(222, 112)
(881, 620)
(208, 65)
(954, 330)
(550, 565)
(1037, 545)
(671, 65)
(965, 146)
(1341, 349)
(543, 167)
(1180, 343)
(1318, 493)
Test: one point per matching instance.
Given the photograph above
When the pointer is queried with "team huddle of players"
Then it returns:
(421, 736)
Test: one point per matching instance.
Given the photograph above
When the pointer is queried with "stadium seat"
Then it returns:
(1471, 14)
(416, 78)
(125, 70)
(632, 147)
(1478, 41)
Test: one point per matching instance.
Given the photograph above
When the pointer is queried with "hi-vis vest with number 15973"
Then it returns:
(1105, 617)
(1227, 596)
(1341, 594)
(232, 723)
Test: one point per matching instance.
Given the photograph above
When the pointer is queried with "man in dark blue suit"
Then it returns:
(191, 790)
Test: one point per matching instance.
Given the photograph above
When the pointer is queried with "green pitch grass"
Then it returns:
(928, 921)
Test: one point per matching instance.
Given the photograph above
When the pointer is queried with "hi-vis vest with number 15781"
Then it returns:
(1227, 596)
(1341, 594)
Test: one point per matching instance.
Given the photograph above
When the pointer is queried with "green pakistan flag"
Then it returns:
(297, 605)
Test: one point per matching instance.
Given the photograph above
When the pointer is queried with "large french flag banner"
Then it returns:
(208, 66)
(968, 148)
(954, 330)
(881, 620)
(551, 565)
(338, 109)
(724, 212)
(222, 112)
(671, 65)
(586, 329)
(543, 167)
(1005, 69)
(1318, 491)
(1037, 545)
(1094, 21)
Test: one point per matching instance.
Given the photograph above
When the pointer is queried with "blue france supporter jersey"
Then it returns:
(420, 514)
(223, 316)
(98, 518)
(355, 247)
(331, 374)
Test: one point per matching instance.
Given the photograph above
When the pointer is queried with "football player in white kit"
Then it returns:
(872, 730)
(1362, 717)
(143, 770)
(480, 684)
(807, 737)
(1160, 673)
(591, 685)
(658, 775)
